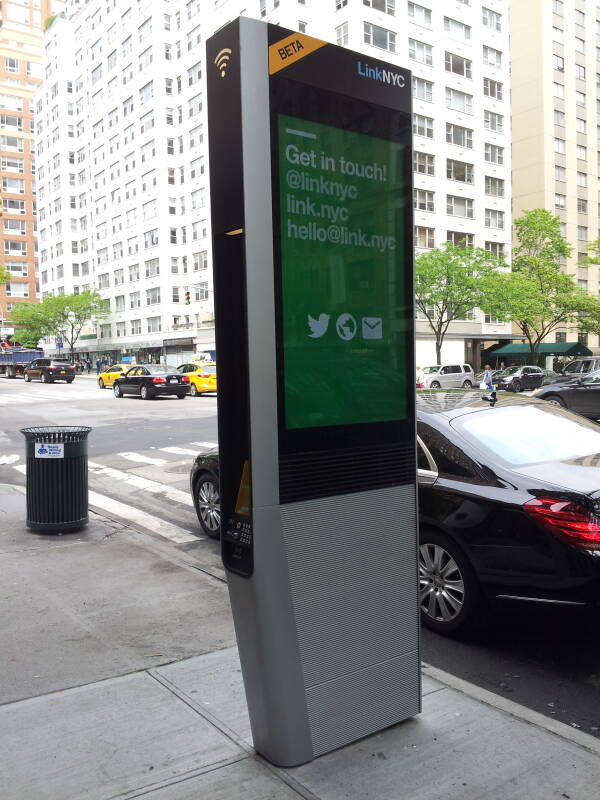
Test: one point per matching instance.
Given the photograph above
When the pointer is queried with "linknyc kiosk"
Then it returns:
(311, 184)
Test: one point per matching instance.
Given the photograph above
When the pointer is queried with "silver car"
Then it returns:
(449, 376)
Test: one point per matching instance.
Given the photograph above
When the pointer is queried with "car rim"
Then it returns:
(117, 390)
(209, 505)
(435, 385)
(467, 385)
(144, 393)
(193, 390)
(554, 402)
(101, 383)
(441, 585)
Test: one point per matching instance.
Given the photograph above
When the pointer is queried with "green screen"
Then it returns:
(344, 255)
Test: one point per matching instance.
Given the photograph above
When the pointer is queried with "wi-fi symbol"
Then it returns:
(222, 59)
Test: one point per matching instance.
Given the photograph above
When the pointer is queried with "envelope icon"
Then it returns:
(372, 328)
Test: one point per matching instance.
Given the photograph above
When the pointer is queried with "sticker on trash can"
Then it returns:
(43, 450)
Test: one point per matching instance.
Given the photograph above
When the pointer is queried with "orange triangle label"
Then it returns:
(291, 49)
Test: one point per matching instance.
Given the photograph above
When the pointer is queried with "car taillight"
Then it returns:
(185, 379)
(575, 522)
(158, 380)
(205, 375)
(50, 368)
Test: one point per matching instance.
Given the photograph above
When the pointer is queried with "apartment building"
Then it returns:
(122, 184)
(21, 23)
(123, 194)
(556, 125)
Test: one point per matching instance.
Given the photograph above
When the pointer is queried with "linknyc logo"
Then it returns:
(382, 75)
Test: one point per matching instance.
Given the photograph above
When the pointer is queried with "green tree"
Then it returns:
(447, 285)
(537, 295)
(4, 275)
(63, 315)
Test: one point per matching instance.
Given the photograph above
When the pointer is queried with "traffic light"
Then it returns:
(187, 297)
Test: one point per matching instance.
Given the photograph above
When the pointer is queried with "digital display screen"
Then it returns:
(343, 236)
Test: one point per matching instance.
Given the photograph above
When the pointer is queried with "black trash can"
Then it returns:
(57, 478)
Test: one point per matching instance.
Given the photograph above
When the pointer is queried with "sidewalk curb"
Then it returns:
(503, 704)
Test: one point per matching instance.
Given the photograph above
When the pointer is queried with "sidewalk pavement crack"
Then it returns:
(278, 772)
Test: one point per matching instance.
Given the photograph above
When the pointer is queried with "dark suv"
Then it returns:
(518, 379)
(48, 370)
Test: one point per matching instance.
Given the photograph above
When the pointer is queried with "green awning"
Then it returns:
(546, 349)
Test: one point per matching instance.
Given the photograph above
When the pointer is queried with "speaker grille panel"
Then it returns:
(353, 577)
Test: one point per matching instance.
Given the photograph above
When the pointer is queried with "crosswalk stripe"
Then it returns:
(145, 484)
(10, 459)
(141, 459)
(179, 451)
(207, 445)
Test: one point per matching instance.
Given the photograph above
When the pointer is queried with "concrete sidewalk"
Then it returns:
(120, 679)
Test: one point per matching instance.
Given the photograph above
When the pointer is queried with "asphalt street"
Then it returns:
(140, 454)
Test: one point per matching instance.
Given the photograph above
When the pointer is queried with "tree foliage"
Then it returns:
(447, 285)
(537, 295)
(4, 275)
(63, 315)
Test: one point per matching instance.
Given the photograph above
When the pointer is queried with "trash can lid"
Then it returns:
(56, 433)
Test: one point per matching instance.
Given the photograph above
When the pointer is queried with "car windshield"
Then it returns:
(208, 370)
(530, 434)
(509, 371)
(431, 370)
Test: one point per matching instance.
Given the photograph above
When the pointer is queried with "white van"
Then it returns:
(449, 376)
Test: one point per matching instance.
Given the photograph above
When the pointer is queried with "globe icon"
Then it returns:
(346, 327)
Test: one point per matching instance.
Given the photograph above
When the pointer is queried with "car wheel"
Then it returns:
(194, 390)
(70, 380)
(181, 396)
(516, 386)
(450, 599)
(26, 377)
(435, 385)
(208, 505)
(555, 400)
(101, 383)
(145, 393)
(467, 385)
(45, 378)
(117, 390)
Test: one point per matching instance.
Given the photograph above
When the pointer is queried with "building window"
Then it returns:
(495, 248)
(458, 65)
(560, 200)
(559, 118)
(559, 145)
(579, 45)
(456, 134)
(459, 171)
(423, 90)
(494, 186)
(493, 122)
(580, 72)
(580, 125)
(460, 239)
(456, 29)
(386, 6)
(582, 179)
(560, 337)
(559, 90)
(492, 89)
(491, 19)
(459, 206)
(341, 34)
(582, 233)
(135, 300)
(152, 268)
(459, 101)
(423, 126)
(420, 51)
(581, 152)
(419, 14)
(154, 325)
(491, 56)
(560, 173)
(423, 200)
(153, 296)
(424, 238)
(135, 326)
(558, 62)
(581, 206)
(379, 37)
(424, 163)
(104, 281)
(494, 218)
(200, 261)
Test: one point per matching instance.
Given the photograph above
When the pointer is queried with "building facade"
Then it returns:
(20, 77)
(123, 195)
(556, 124)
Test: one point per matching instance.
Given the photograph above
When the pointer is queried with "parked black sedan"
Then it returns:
(581, 395)
(509, 507)
(150, 380)
(520, 379)
(49, 370)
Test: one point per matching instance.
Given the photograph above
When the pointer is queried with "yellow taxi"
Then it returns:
(203, 377)
(107, 378)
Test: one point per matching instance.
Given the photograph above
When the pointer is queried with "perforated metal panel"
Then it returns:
(351, 559)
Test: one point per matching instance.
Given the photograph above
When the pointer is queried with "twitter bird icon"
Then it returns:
(318, 327)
